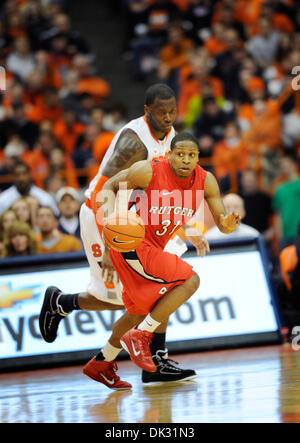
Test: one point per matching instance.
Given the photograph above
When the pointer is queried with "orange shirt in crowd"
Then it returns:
(40, 168)
(223, 155)
(66, 136)
(281, 22)
(95, 86)
(214, 46)
(269, 131)
(40, 112)
(173, 57)
(101, 145)
(65, 243)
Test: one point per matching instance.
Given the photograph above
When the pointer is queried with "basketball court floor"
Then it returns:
(253, 385)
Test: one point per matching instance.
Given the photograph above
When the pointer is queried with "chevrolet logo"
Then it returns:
(9, 297)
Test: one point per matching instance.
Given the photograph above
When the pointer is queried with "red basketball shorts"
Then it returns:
(146, 274)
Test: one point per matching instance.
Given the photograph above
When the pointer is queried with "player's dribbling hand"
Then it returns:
(198, 241)
(107, 267)
(230, 222)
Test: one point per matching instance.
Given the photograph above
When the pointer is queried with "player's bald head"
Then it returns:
(234, 203)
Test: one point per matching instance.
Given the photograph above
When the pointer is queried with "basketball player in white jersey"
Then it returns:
(145, 138)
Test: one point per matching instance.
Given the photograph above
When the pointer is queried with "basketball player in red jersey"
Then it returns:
(145, 138)
(156, 283)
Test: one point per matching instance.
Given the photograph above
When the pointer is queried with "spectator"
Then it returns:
(104, 137)
(22, 209)
(83, 153)
(21, 61)
(38, 159)
(19, 239)
(89, 83)
(288, 171)
(23, 186)
(50, 239)
(233, 203)
(286, 204)
(47, 107)
(206, 147)
(195, 105)
(6, 219)
(115, 118)
(228, 63)
(263, 47)
(53, 183)
(198, 18)
(230, 154)
(68, 201)
(12, 153)
(86, 104)
(36, 22)
(62, 25)
(18, 124)
(61, 165)
(212, 120)
(258, 205)
(67, 130)
(194, 77)
(216, 43)
(172, 56)
(151, 34)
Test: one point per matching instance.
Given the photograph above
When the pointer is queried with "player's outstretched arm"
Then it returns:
(138, 176)
(226, 223)
(128, 150)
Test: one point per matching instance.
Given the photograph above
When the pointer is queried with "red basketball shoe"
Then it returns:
(136, 342)
(104, 372)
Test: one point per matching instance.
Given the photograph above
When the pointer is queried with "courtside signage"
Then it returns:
(233, 299)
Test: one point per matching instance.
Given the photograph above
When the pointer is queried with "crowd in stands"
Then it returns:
(55, 126)
(233, 67)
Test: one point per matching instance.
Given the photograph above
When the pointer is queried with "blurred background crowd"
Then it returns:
(233, 65)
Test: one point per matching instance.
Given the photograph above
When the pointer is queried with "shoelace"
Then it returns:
(145, 340)
(169, 362)
(110, 372)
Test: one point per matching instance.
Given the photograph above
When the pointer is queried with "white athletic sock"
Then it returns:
(148, 324)
(109, 352)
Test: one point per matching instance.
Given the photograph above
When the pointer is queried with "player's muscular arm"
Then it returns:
(129, 149)
(138, 176)
(226, 223)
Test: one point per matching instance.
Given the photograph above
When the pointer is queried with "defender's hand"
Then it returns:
(230, 222)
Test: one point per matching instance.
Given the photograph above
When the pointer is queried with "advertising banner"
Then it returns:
(233, 299)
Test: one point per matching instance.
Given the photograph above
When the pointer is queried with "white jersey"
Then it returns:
(156, 148)
(91, 238)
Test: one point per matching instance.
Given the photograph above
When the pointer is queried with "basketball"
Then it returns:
(124, 232)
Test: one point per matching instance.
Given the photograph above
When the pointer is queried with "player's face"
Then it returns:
(161, 114)
(184, 158)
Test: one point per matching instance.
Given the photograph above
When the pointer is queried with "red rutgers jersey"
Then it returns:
(169, 202)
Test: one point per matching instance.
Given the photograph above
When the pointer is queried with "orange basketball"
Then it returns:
(124, 232)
